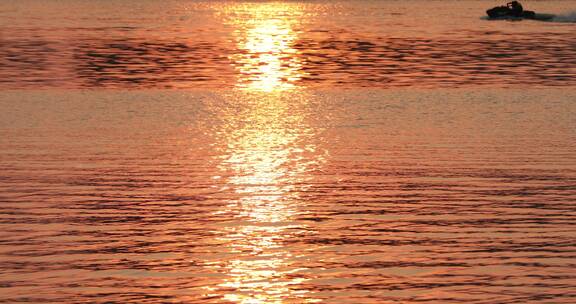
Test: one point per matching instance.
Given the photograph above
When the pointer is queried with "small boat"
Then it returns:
(504, 12)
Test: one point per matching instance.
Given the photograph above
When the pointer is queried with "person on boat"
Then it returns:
(516, 8)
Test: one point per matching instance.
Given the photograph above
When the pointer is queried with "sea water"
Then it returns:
(286, 152)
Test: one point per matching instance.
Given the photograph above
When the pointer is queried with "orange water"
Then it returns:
(295, 152)
(215, 44)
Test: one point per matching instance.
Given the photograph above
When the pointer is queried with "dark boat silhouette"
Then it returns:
(504, 12)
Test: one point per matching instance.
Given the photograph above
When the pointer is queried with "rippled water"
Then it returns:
(185, 44)
(232, 152)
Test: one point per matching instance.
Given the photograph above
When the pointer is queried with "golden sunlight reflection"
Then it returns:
(267, 158)
(267, 60)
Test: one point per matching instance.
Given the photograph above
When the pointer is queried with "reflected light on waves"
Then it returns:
(264, 163)
(266, 60)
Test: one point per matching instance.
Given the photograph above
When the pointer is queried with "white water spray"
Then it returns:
(567, 17)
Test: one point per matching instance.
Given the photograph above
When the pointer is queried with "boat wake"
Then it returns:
(568, 17)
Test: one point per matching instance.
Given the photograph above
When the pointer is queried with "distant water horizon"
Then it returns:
(184, 44)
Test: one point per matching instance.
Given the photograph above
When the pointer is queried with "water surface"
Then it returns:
(285, 152)
(184, 44)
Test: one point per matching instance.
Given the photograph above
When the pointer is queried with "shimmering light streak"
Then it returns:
(266, 60)
(265, 166)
